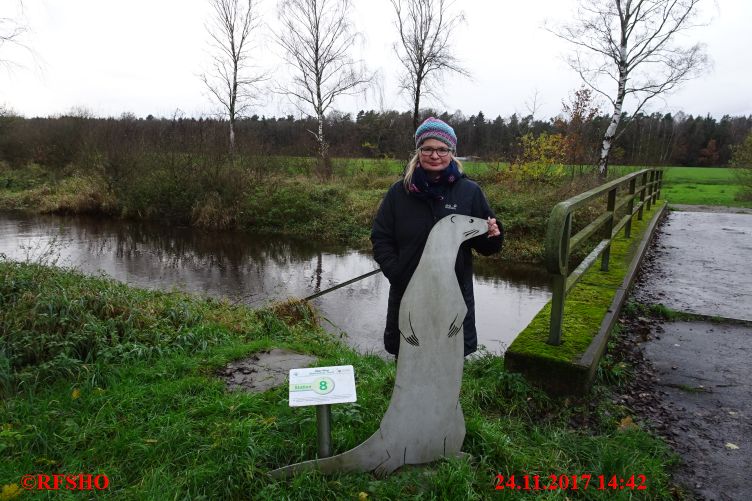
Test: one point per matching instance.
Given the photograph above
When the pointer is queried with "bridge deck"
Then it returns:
(700, 390)
(705, 264)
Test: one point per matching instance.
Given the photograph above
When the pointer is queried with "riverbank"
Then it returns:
(281, 196)
(278, 202)
(98, 377)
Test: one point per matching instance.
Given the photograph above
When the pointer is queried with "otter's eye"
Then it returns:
(471, 220)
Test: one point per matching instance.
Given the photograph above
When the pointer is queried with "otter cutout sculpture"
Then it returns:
(424, 420)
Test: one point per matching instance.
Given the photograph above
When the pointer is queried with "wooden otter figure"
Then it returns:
(424, 420)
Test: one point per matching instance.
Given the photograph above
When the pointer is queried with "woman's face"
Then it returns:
(434, 162)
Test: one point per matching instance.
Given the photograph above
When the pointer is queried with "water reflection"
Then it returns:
(255, 269)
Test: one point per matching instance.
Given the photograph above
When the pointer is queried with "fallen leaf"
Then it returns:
(75, 393)
(731, 446)
(45, 461)
(627, 424)
(10, 491)
(362, 496)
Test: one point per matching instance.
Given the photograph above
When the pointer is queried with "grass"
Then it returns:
(703, 186)
(699, 186)
(699, 175)
(99, 377)
(703, 194)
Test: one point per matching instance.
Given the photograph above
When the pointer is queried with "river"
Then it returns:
(256, 270)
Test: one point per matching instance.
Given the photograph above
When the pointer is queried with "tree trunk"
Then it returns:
(608, 137)
(325, 165)
(232, 136)
(416, 109)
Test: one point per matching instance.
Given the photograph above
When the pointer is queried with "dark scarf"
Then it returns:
(422, 186)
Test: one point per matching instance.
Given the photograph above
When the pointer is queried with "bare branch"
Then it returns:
(13, 31)
(316, 38)
(231, 83)
(424, 49)
(632, 43)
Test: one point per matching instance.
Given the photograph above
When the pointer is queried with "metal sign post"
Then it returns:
(322, 386)
(324, 430)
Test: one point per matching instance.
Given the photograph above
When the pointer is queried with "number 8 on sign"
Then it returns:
(323, 385)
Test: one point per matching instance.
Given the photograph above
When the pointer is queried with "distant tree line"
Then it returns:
(654, 139)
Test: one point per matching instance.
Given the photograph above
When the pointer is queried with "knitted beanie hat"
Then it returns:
(433, 128)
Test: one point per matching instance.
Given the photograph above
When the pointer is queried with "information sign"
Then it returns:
(322, 385)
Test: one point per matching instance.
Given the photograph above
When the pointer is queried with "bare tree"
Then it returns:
(628, 49)
(533, 104)
(12, 32)
(425, 30)
(316, 37)
(231, 81)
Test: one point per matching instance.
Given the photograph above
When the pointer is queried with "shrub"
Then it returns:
(542, 158)
(741, 159)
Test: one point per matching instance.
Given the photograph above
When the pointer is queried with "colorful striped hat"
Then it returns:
(433, 128)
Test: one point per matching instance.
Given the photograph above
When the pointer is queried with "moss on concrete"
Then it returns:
(585, 306)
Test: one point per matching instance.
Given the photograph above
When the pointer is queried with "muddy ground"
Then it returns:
(264, 370)
(692, 386)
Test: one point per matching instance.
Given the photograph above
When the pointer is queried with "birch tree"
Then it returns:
(630, 50)
(316, 38)
(231, 81)
(425, 29)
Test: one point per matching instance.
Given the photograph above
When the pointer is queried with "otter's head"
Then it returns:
(468, 227)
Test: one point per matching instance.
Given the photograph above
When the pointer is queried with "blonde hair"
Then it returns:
(410, 169)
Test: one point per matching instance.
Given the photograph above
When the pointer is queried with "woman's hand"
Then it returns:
(493, 228)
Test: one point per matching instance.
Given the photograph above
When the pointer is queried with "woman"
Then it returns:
(433, 187)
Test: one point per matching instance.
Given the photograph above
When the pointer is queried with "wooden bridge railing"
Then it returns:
(644, 184)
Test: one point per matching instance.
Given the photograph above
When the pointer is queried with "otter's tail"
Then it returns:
(368, 456)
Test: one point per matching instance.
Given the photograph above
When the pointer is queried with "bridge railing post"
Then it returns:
(559, 284)
(643, 187)
(608, 228)
(630, 208)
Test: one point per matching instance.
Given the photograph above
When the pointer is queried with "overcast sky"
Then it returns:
(144, 57)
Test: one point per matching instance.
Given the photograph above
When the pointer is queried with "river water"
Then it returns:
(256, 270)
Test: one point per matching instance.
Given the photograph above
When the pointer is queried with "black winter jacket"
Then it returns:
(399, 234)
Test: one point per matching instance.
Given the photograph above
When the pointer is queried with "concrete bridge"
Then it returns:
(694, 382)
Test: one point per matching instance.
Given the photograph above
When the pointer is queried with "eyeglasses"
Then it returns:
(427, 151)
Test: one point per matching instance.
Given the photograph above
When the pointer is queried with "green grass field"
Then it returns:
(379, 166)
(97, 377)
(703, 186)
(682, 185)
(699, 175)
(697, 185)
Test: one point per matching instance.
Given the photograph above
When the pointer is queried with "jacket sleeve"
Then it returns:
(385, 250)
(484, 244)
